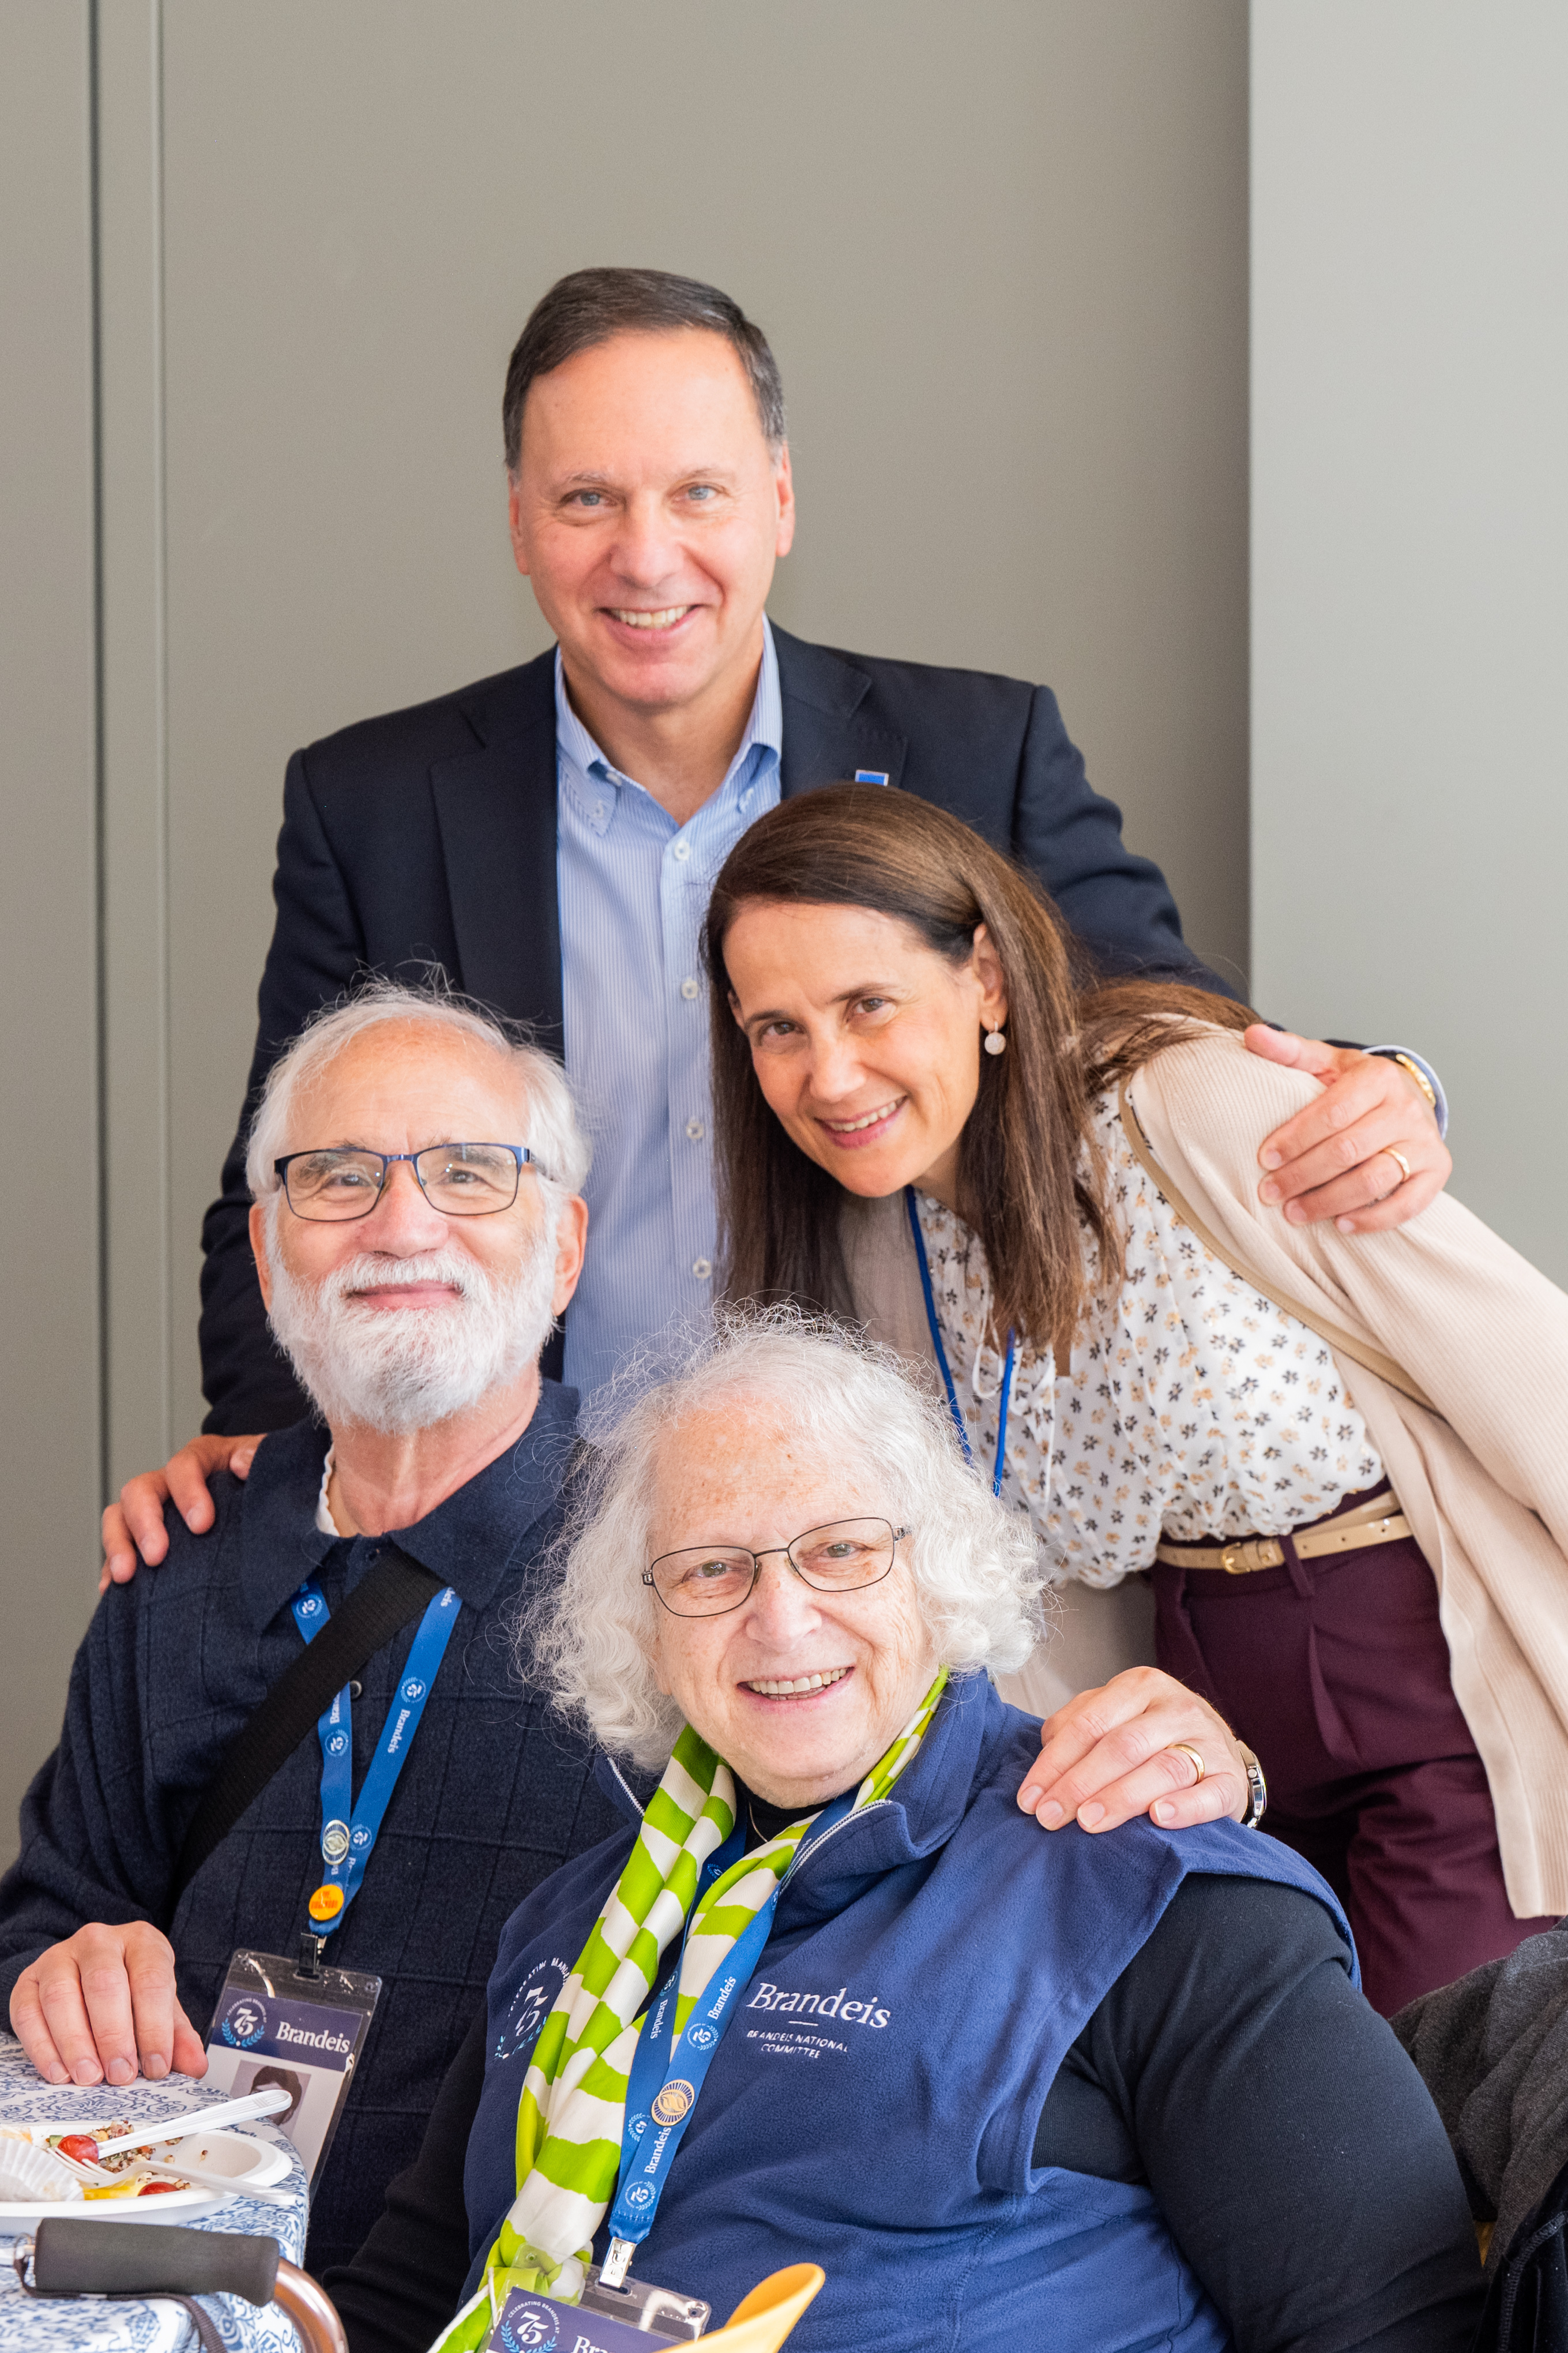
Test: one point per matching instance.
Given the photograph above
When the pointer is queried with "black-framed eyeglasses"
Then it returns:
(461, 1180)
(704, 1580)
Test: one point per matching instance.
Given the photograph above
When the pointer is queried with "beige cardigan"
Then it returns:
(1482, 1467)
(1448, 1315)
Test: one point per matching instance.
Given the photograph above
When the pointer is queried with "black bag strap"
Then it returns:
(396, 1590)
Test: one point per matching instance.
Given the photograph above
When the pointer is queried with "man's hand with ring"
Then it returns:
(1126, 1748)
(1366, 1153)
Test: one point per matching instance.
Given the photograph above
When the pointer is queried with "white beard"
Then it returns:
(399, 1369)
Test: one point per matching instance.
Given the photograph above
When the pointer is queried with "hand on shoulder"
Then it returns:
(132, 1526)
(1364, 1152)
(1131, 1748)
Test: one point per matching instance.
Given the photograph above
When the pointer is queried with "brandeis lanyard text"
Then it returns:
(349, 1831)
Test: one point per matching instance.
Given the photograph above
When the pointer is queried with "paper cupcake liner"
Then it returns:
(27, 2173)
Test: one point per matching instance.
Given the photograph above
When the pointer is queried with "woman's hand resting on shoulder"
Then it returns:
(134, 1526)
(1108, 1757)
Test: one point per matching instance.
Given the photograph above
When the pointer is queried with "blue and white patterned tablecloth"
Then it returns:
(71, 2325)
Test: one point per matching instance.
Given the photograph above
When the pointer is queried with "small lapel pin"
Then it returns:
(871, 775)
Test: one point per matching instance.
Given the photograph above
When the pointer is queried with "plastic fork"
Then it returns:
(197, 2176)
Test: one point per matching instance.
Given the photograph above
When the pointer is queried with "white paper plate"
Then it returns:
(232, 2153)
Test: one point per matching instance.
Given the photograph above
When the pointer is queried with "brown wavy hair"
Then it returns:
(1030, 1173)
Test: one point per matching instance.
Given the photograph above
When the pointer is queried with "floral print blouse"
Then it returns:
(1192, 1408)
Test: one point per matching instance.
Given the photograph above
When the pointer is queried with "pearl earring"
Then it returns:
(995, 1043)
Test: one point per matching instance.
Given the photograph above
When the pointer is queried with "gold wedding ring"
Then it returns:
(1185, 1748)
(1404, 1164)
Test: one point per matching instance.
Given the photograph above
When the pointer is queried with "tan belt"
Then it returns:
(1377, 1520)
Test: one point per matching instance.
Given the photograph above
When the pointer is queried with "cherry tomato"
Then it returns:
(81, 2145)
(150, 2189)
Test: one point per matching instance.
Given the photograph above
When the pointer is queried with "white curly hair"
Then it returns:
(589, 1641)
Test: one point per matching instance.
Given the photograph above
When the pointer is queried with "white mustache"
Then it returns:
(406, 1368)
(375, 1271)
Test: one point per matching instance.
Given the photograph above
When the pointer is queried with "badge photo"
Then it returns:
(274, 2029)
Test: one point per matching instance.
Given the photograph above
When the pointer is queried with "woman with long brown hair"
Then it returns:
(1047, 1189)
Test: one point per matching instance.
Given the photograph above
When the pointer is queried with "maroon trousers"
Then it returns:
(1336, 1672)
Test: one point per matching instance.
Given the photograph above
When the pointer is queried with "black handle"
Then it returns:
(94, 2258)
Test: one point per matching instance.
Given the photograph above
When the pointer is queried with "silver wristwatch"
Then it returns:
(1256, 1788)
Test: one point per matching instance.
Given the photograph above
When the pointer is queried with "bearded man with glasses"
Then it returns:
(418, 1225)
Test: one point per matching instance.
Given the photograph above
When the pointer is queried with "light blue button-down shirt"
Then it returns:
(634, 889)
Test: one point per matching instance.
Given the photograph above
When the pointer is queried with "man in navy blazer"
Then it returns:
(548, 834)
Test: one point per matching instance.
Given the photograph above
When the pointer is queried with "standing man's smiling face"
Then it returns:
(648, 510)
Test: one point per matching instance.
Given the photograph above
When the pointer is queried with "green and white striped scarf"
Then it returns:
(573, 2108)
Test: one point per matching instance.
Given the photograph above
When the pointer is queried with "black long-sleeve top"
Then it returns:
(1233, 2067)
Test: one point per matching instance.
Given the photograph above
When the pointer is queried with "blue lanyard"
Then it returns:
(667, 2071)
(348, 1832)
(1006, 1390)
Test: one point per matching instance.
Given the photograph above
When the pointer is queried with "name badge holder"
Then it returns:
(606, 2320)
(276, 2024)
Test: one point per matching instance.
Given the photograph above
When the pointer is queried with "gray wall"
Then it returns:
(1001, 251)
(49, 1256)
(1410, 558)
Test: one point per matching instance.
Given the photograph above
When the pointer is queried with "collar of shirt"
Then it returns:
(597, 787)
(468, 1542)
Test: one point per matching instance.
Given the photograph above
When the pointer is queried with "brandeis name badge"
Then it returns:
(273, 2026)
(531, 2323)
(607, 2320)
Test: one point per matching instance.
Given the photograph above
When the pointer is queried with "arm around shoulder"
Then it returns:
(1120, 904)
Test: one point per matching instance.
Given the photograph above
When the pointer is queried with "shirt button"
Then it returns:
(694, 1129)
(688, 988)
(703, 1268)
(683, 850)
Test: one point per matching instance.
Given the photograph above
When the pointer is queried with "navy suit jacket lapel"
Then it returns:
(827, 734)
(496, 808)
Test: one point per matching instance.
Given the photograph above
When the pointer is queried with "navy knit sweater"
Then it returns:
(494, 1795)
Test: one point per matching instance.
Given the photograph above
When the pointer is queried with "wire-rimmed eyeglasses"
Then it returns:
(461, 1180)
(704, 1580)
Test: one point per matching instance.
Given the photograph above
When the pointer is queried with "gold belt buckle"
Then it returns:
(1257, 1551)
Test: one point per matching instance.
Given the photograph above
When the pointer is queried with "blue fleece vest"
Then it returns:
(873, 2106)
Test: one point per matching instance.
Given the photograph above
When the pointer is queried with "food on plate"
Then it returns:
(49, 2163)
(83, 2142)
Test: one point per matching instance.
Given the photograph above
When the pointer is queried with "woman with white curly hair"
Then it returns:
(832, 1998)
